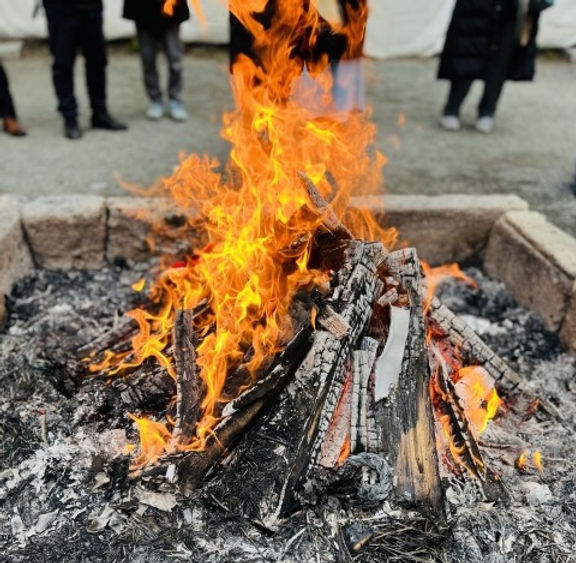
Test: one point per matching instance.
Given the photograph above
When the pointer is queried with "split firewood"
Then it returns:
(403, 413)
(189, 386)
(331, 222)
(474, 349)
(463, 445)
(283, 368)
(361, 438)
(239, 413)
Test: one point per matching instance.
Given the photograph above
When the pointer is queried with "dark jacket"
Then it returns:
(79, 4)
(480, 32)
(149, 13)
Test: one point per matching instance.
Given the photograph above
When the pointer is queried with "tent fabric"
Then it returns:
(395, 29)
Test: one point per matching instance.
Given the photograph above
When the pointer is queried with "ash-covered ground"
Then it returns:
(64, 475)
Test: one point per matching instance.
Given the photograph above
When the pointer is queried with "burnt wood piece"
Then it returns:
(276, 376)
(150, 388)
(333, 322)
(125, 329)
(330, 220)
(334, 444)
(474, 349)
(289, 437)
(404, 419)
(463, 446)
(241, 412)
(361, 437)
(189, 386)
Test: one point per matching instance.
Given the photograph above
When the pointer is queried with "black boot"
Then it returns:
(72, 130)
(103, 120)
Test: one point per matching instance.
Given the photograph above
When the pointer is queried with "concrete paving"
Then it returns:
(531, 152)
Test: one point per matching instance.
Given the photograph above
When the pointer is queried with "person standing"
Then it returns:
(154, 28)
(489, 40)
(76, 25)
(7, 109)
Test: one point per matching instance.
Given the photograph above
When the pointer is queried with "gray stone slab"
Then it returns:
(568, 330)
(140, 228)
(536, 261)
(444, 228)
(67, 232)
(15, 258)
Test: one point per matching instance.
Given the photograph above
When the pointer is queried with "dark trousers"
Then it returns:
(496, 73)
(149, 40)
(72, 30)
(6, 104)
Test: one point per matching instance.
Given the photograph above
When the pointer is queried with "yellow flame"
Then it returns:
(252, 267)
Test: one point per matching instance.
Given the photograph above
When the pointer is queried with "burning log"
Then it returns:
(239, 414)
(289, 439)
(473, 348)
(189, 386)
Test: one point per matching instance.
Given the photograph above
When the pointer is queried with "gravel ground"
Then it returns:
(531, 153)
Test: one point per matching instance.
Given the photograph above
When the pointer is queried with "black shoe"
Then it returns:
(71, 130)
(105, 121)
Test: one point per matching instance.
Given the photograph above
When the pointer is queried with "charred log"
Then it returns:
(189, 385)
(403, 414)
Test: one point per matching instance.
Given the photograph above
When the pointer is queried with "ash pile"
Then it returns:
(309, 474)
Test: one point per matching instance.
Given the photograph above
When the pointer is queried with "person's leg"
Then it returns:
(148, 45)
(64, 33)
(94, 51)
(497, 73)
(458, 91)
(6, 104)
(173, 50)
(7, 109)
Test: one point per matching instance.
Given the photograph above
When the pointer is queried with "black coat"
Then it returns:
(480, 32)
(75, 4)
(149, 13)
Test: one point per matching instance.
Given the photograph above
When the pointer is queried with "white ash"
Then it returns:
(67, 496)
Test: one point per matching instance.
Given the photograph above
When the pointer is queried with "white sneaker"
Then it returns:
(178, 111)
(155, 111)
(485, 124)
(450, 123)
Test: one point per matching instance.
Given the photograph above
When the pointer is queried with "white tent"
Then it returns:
(396, 28)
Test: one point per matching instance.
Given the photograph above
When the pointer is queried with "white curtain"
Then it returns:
(396, 28)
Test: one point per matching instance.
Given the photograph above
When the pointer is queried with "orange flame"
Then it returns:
(537, 461)
(255, 211)
(521, 462)
(435, 276)
(475, 388)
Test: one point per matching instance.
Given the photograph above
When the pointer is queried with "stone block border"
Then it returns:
(536, 260)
